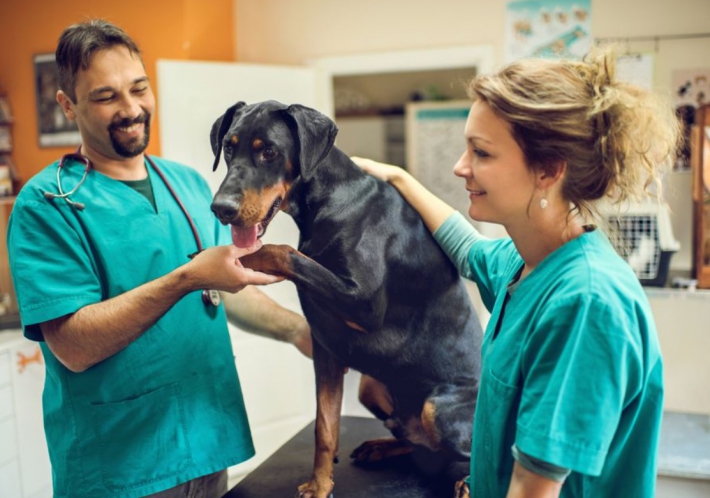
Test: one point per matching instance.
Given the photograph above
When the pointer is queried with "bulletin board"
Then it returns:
(435, 141)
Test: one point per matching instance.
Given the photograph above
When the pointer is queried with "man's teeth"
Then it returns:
(130, 128)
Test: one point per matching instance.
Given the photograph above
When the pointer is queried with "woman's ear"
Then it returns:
(549, 175)
(66, 104)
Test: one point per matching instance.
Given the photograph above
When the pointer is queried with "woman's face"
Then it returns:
(499, 182)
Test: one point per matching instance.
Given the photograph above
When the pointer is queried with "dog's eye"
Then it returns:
(227, 149)
(269, 153)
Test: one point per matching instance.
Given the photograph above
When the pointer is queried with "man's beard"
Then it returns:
(135, 146)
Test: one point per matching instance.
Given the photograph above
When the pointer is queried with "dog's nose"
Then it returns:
(225, 209)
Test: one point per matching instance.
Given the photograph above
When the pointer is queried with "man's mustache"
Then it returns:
(125, 123)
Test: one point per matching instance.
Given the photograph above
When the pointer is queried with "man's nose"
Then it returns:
(130, 108)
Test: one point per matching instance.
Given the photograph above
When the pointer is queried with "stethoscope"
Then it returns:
(209, 297)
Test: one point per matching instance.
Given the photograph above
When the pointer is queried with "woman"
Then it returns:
(571, 391)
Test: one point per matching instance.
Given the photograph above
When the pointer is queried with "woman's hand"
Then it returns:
(385, 172)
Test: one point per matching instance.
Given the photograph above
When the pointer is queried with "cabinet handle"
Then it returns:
(23, 360)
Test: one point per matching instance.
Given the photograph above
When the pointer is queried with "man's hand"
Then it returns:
(219, 268)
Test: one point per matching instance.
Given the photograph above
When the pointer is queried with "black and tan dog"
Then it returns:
(380, 295)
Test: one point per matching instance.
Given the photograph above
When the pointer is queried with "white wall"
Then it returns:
(293, 32)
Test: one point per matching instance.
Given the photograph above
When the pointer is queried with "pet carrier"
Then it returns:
(641, 233)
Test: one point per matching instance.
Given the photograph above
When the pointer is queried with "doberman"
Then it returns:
(379, 293)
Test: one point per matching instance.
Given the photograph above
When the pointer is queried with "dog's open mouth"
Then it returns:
(246, 236)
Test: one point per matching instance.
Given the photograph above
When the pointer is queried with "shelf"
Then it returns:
(669, 293)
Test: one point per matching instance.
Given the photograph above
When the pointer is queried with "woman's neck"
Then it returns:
(535, 239)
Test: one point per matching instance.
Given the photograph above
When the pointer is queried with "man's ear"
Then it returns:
(66, 104)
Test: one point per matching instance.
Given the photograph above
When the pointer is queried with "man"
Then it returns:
(142, 394)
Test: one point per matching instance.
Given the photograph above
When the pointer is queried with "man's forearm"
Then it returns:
(255, 312)
(98, 331)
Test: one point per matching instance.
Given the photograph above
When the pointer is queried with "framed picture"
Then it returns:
(5, 138)
(5, 114)
(53, 126)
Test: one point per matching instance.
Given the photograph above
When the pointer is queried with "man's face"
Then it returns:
(114, 104)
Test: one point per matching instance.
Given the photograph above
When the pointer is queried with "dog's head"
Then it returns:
(267, 146)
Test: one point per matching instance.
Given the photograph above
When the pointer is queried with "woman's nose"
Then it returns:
(462, 167)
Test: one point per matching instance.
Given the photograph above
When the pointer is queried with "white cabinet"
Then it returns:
(25, 471)
(380, 138)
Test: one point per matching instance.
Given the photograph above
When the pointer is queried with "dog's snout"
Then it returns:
(226, 210)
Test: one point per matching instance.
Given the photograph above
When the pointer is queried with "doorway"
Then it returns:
(370, 109)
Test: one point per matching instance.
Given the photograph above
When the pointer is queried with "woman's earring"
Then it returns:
(543, 203)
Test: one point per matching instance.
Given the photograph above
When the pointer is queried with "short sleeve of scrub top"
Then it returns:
(490, 265)
(53, 274)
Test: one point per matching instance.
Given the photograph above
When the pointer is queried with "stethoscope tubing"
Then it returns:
(209, 297)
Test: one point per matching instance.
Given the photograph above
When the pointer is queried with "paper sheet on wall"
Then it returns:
(435, 142)
(636, 69)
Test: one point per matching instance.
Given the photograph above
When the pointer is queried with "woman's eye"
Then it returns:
(269, 154)
(480, 153)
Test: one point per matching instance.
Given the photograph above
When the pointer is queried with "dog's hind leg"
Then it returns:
(447, 419)
(375, 396)
(377, 399)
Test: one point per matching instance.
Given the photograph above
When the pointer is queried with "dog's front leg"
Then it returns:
(329, 394)
(355, 298)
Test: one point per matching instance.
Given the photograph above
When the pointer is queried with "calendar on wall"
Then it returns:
(435, 141)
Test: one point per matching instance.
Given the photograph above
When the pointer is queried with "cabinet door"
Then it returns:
(28, 381)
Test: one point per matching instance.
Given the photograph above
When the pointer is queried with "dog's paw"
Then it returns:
(378, 450)
(461, 489)
(312, 489)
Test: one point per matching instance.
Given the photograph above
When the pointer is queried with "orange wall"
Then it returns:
(163, 29)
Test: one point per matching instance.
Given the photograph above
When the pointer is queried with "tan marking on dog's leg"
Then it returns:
(375, 396)
(428, 419)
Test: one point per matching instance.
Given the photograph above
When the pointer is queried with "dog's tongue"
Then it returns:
(244, 237)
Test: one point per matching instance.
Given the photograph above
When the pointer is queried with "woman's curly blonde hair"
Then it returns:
(616, 138)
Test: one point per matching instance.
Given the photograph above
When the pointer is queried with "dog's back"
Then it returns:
(430, 333)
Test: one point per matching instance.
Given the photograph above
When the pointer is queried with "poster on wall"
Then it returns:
(547, 28)
(636, 69)
(54, 128)
(691, 89)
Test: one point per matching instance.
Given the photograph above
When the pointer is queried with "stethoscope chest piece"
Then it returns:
(211, 297)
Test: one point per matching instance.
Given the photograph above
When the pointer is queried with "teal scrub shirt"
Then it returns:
(166, 409)
(573, 376)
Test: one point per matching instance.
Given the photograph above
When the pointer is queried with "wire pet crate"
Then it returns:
(641, 233)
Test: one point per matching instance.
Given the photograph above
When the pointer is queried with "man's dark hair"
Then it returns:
(79, 42)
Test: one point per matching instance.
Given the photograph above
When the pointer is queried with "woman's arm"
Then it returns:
(527, 484)
(433, 210)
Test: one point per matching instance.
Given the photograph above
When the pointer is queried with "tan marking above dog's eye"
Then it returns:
(234, 139)
(257, 144)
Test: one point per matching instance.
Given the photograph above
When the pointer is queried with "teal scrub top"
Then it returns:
(166, 409)
(573, 376)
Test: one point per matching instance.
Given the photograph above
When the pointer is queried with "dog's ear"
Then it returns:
(316, 135)
(219, 129)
